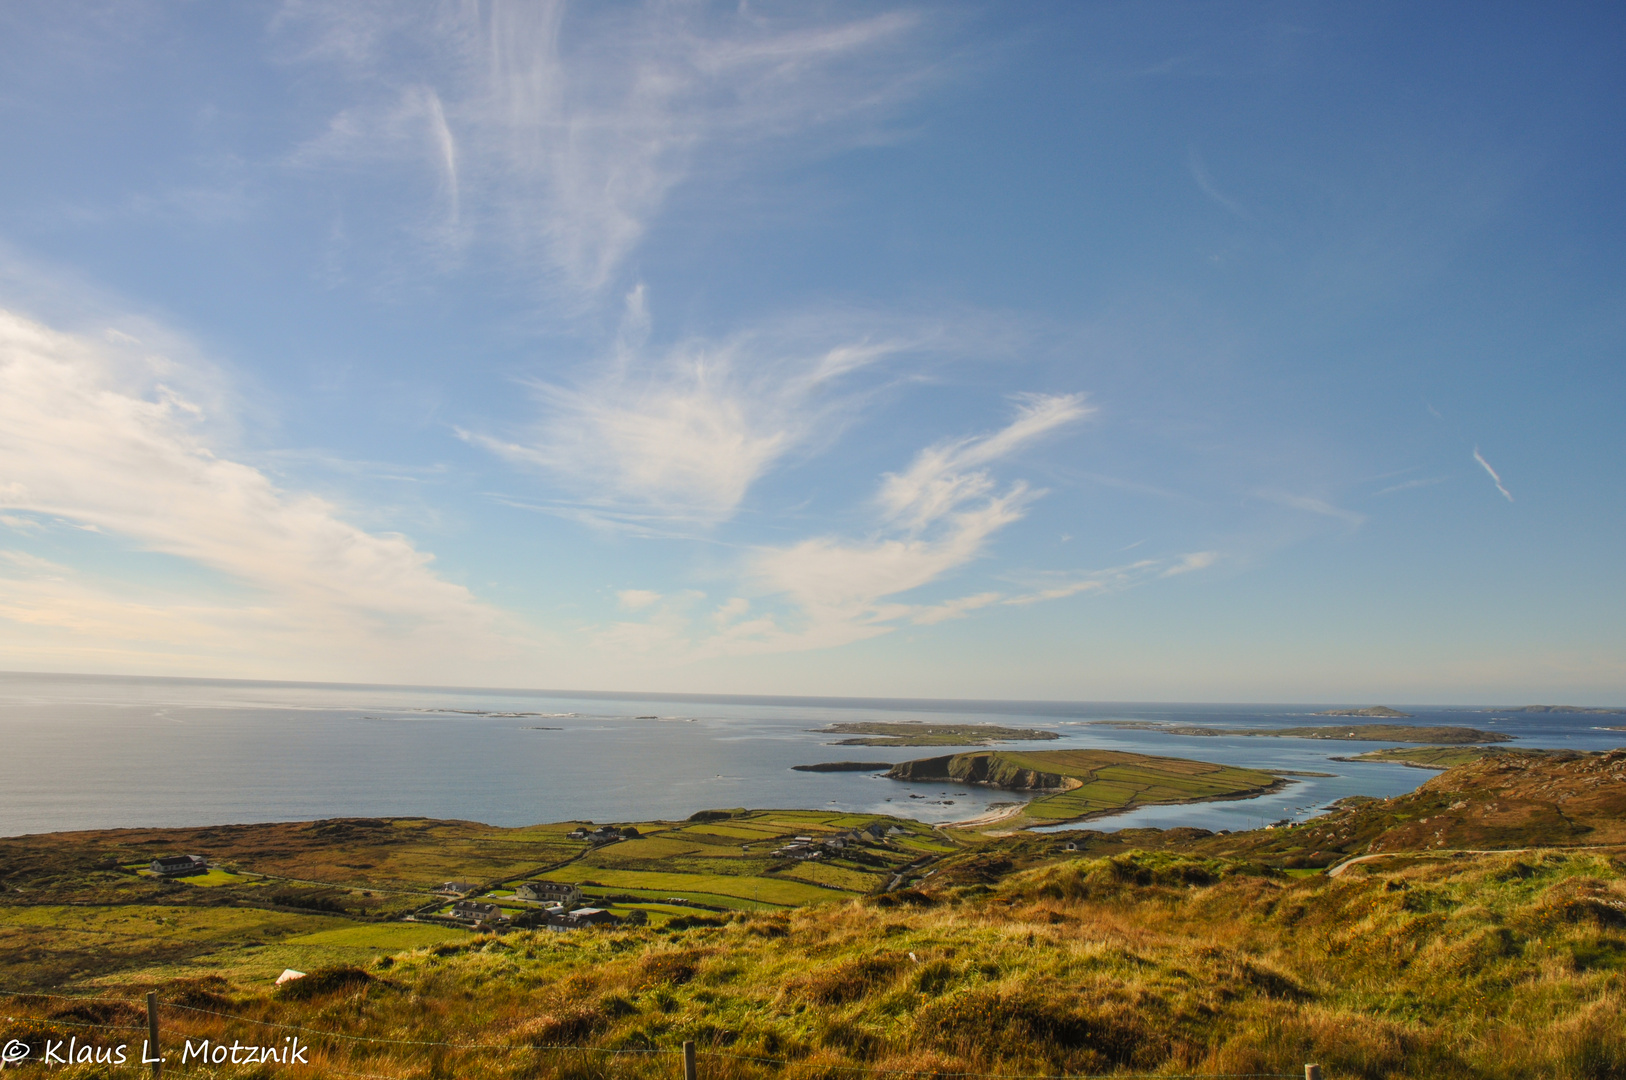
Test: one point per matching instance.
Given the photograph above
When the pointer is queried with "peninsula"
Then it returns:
(844, 766)
(1077, 785)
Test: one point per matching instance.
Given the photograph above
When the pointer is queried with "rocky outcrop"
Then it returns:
(993, 770)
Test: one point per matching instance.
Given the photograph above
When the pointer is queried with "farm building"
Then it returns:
(555, 892)
(586, 916)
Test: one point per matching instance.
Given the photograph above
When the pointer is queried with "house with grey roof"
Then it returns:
(180, 865)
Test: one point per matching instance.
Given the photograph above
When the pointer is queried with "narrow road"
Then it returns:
(1338, 870)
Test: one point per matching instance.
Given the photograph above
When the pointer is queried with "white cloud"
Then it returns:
(637, 599)
(681, 435)
(1495, 479)
(953, 609)
(1197, 560)
(1410, 485)
(88, 435)
(944, 508)
(840, 588)
(568, 128)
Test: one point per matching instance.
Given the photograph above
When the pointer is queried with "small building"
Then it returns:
(875, 829)
(180, 865)
(475, 912)
(456, 888)
(548, 892)
(895, 831)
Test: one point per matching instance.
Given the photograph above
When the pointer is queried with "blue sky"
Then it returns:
(1095, 351)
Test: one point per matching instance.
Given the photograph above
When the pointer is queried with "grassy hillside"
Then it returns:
(1170, 952)
(1506, 966)
(79, 907)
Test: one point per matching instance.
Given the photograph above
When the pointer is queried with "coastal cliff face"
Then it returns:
(983, 768)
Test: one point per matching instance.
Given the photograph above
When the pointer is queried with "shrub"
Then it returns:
(324, 981)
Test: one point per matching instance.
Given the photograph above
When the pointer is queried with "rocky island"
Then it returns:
(1379, 711)
(1405, 733)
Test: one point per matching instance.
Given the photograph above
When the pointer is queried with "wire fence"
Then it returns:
(689, 1051)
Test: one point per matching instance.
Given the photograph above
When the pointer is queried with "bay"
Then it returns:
(86, 752)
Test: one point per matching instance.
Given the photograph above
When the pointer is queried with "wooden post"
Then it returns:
(1312, 1072)
(688, 1060)
(152, 1035)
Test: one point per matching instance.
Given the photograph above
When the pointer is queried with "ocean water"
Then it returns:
(82, 752)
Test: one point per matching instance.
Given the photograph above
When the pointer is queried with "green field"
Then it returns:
(81, 907)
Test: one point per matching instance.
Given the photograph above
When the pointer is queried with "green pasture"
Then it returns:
(773, 890)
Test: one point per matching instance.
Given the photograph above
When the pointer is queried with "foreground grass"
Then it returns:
(1496, 966)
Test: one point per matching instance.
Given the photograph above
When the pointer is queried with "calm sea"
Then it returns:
(82, 752)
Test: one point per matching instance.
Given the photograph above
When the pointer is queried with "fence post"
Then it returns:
(152, 1035)
(1312, 1072)
(688, 1060)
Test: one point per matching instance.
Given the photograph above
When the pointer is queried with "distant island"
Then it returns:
(1428, 757)
(844, 766)
(883, 733)
(1379, 711)
(1560, 709)
(1406, 733)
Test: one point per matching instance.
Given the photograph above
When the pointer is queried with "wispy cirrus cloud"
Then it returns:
(560, 131)
(1199, 172)
(92, 433)
(935, 516)
(942, 510)
(1412, 485)
(1312, 505)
